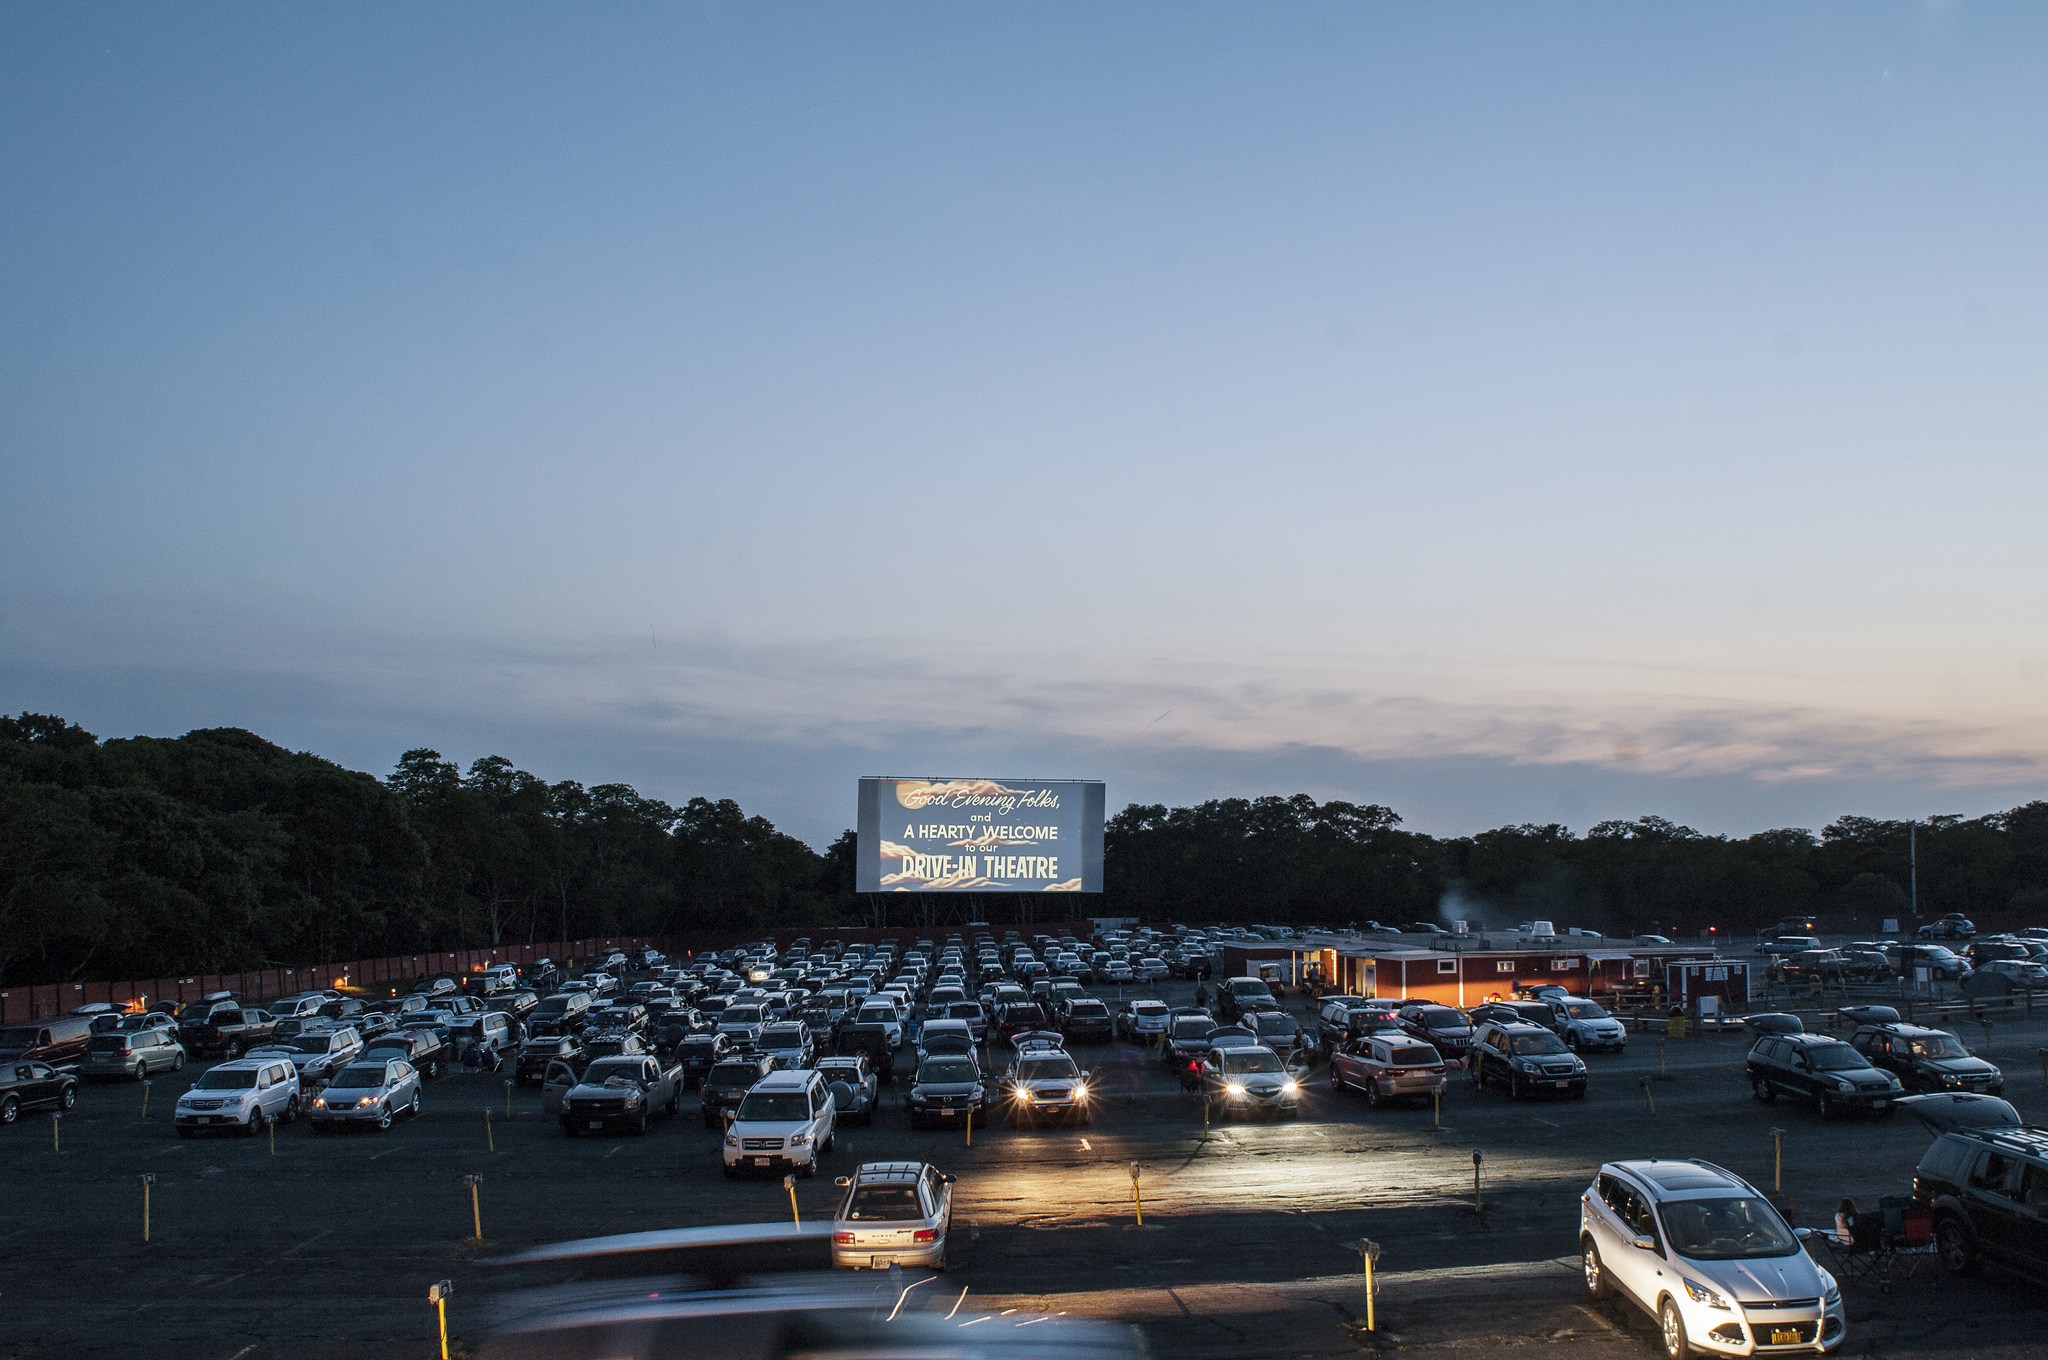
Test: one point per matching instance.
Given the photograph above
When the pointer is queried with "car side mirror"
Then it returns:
(1642, 1242)
(842, 1180)
(1802, 1233)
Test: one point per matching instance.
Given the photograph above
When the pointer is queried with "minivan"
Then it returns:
(59, 1042)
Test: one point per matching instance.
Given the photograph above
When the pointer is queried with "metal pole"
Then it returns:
(145, 1097)
(441, 1307)
(1913, 862)
(1137, 1200)
(789, 1184)
(970, 1126)
(489, 1138)
(476, 1212)
(1777, 1161)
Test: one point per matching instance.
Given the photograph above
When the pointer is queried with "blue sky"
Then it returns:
(1501, 412)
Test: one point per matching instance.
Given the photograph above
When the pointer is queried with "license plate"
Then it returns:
(1562, 1085)
(760, 1161)
(597, 1123)
(947, 1114)
(1783, 1337)
(1879, 1104)
(206, 1119)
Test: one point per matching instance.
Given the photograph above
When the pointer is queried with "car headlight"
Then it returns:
(732, 1140)
(799, 1140)
(1235, 1088)
(319, 1102)
(1832, 1293)
(1951, 1079)
(1081, 1091)
(1699, 1293)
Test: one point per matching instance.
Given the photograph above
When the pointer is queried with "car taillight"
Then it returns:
(925, 1235)
(844, 1239)
(1397, 1071)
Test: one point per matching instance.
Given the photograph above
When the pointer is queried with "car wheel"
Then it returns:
(1762, 1090)
(415, 1110)
(1671, 1329)
(1597, 1283)
(10, 1110)
(141, 1070)
(256, 1122)
(1955, 1245)
(291, 1111)
(808, 1169)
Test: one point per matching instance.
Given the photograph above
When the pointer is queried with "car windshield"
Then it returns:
(1528, 1045)
(311, 1043)
(769, 1107)
(1440, 1017)
(1739, 1228)
(227, 1080)
(734, 1074)
(946, 1069)
(743, 1015)
(964, 1010)
(359, 1076)
(1047, 1069)
(1193, 1028)
(1414, 1057)
(1254, 1060)
(1273, 1023)
(1938, 1046)
(1836, 1058)
(783, 1039)
(1585, 1010)
(600, 1072)
(1091, 1009)
(884, 1203)
(1149, 1008)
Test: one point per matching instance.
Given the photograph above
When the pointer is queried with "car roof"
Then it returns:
(245, 1064)
(787, 1079)
(1692, 1179)
(1809, 1040)
(1517, 1027)
(889, 1171)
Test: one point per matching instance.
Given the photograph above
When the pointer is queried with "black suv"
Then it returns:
(1988, 1188)
(1526, 1060)
(727, 1084)
(1927, 1059)
(1833, 1074)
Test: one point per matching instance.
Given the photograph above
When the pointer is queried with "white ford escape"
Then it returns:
(1705, 1254)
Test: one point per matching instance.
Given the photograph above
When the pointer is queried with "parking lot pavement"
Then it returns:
(325, 1247)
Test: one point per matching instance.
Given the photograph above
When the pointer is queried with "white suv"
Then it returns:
(785, 1120)
(244, 1094)
(1705, 1254)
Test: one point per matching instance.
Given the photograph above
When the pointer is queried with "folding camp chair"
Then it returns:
(1863, 1256)
(1908, 1234)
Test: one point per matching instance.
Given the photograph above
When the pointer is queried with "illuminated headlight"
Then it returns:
(1235, 1088)
(1699, 1293)
(799, 1140)
(319, 1102)
(1080, 1093)
(1289, 1087)
(1951, 1079)
(366, 1102)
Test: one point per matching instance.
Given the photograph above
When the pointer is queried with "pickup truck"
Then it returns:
(621, 1093)
(24, 1084)
(232, 1031)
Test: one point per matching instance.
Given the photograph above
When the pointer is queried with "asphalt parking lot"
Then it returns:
(326, 1245)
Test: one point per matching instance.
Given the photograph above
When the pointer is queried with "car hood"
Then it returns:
(780, 1128)
(586, 1088)
(1796, 1276)
(945, 1088)
(1956, 1066)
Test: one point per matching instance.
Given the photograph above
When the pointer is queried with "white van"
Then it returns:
(785, 1122)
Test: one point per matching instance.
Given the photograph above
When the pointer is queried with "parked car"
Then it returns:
(621, 1094)
(232, 1029)
(489, 1031)
(1444, 1028)
(1249, 1080)
(1141, 1022)
(1513, 1013)
(1277, 1030)
(316, 1054)
(1388, 1068)
(1985, 1180)
(1954, 926)
(894, 1214)
(367, 1093)
(1831, 1073)
(786, 1121)
(1084, 1020)
(948, 1088)
(788, 1042)
(133, 1054)
(1584, 1024)
(1525, 1060)
(1942, 963)
(1239, 994)
(1704, 1253)
(699, 1053)
(2025, 973)
(1927, 1059)
(531, 1065)
(727, 1084)
(27, 1085)
(863, 1087)
(242, 1093)
(60, 1042)
(944, 1036)
(1045, 1083)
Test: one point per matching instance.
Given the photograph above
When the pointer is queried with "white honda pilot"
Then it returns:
(1705, 1254)
(785, 1121)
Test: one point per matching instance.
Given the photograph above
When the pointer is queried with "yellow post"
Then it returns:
(145, 1097)
(1647, 1096)
(1662, 1070)
(508, 1103)
(1777, 1161)
(789, 1184)
(1371, 1322)
(1137, 1200)
(56, 1133)
(271, 1124)
(476, 1212)
(147, 1181)
(437, 1295)
(1436, 1108)
(489, 1137)
(970, 1126)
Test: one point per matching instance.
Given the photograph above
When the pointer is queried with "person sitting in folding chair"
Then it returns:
(1856, 1244)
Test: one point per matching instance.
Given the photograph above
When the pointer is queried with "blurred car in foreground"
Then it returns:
(894, 1214)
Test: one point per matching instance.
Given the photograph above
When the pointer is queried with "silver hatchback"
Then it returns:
(894, 1214)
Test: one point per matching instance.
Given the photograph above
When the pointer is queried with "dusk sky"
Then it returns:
(1501, 412)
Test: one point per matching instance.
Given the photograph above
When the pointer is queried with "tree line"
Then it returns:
(219, 851)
